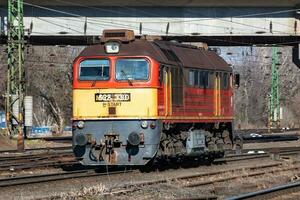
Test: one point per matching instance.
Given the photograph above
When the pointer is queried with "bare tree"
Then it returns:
(49, 81)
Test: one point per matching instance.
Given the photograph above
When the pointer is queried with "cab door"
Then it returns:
(217, 94)
(167, 77)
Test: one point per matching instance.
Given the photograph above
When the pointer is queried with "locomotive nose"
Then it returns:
(134, 139)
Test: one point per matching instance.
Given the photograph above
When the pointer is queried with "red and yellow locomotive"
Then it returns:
(136, 99)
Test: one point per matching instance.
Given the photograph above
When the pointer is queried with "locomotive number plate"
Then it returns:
(109, 97)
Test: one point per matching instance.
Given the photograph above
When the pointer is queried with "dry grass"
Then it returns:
(86, 193)
(3, 132)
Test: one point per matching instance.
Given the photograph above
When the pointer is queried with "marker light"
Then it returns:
(144, 124)
(80, 124)
(152, 125)
(112, 47)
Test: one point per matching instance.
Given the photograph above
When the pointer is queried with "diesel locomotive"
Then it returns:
(138, 99)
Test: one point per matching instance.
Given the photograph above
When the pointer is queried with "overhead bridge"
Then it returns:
(226, 22)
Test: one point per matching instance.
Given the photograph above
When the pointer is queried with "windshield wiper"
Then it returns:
(128, 79)
(100, 74)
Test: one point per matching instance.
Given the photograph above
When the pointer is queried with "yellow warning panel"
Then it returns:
(114, 103)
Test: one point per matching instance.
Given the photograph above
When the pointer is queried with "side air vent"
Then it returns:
(167, 51)
(170, 55)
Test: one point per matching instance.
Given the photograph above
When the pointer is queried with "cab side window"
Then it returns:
(200, 78)
(224, 80)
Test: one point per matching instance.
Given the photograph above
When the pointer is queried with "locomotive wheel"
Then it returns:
(226, 139)
(225, 134)
(218, 135)
(212, 146)
(228, 146)
(238, 143)
(220, 144)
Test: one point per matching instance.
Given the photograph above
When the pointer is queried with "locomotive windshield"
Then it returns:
(94, 69)
(132, 69)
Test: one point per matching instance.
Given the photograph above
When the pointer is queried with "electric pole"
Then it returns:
(16, 74)
(274, 111)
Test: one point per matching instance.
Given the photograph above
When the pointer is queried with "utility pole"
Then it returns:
(274, 111)
(16, 74)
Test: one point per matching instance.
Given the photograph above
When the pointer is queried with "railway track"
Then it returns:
(40, 178)
(36, 149)
(24, 156)
(64, 157)
(264, 154)
(270, 193)
(193, 179)
(199, 179)
(84, 173)
(54, 157)
(38, 162)
(265, 150)
(261, 131)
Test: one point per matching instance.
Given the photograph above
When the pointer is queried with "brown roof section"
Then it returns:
(165, 52)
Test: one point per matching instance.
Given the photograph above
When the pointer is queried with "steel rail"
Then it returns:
(240, 157)
(197, 184)
(266, 130)
(262, 194)
(21, 180)
(38, 160)
(211, 197)
(132, 186)
(38, 165)
(34, 157)
(37, 149)
(266, 150)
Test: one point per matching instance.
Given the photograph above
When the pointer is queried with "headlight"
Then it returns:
(134, 139)
(112, 47)
(80, 124)
(144, 124)
(81, 139)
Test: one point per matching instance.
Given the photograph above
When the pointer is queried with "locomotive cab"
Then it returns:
(115, 105)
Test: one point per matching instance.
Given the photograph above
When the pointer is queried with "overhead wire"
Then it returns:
(154, 30)
(237, 16)
(59, 25)
(52, 10)
(49, 61)
(239, 23)
(240, 16)
(122, 25)
(174, 21)
(139, 10)
(112, 11)
(157, 4)
(206, 25)
(270, 21)
(71, 14)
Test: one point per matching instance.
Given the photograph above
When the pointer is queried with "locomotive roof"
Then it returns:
(165, 52)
